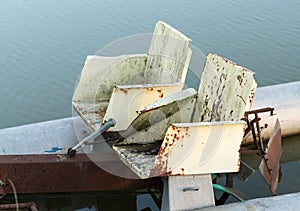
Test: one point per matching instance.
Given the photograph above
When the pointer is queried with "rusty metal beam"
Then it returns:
(58, 173)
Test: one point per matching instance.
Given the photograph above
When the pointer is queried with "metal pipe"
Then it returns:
(285, 99)
(29, 205)
(109, 123)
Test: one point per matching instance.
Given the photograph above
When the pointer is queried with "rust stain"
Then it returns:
(270, 165)
(160, 167)
(216, 115)
(149, 89)
(251, 96)
(124, 90)
(223, 76)
(241, 98)
(100, 113)
(116, 89)
(240, 78)
(161, 94)
(169, 173)
(34, 173)
(206, 110)
(187, 132)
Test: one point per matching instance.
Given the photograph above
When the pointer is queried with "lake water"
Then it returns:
(43, 45)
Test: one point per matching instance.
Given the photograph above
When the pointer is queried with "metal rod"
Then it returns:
(249, 151)
(261, 110)
(258, 133)
(109, 123)
(254, 135)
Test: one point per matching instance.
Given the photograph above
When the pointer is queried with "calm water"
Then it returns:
(43, 45)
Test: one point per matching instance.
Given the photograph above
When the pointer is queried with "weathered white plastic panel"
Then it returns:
(225, 93)
(97, 81)
(188, 148)
(169, 55)
(200, 148)
(100, 74)
(126, 101)
(226, 90)
(153, 121)
(167, 63)
(91, 76)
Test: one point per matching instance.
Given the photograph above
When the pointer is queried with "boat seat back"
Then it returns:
(226, 90)
(168, 56)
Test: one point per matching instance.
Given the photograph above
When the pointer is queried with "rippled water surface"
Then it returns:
(43, 44)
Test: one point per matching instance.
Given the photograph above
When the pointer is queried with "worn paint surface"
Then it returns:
(226, 90)
(126, 101)
(195, 148)
(167, 62)
(106, 71)
(153, 121)
(57, 173)
(98, 78)
(269, 166)
(129, 71)
(92, 112)
(169, 55)
(199, 148)
(139, 157)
